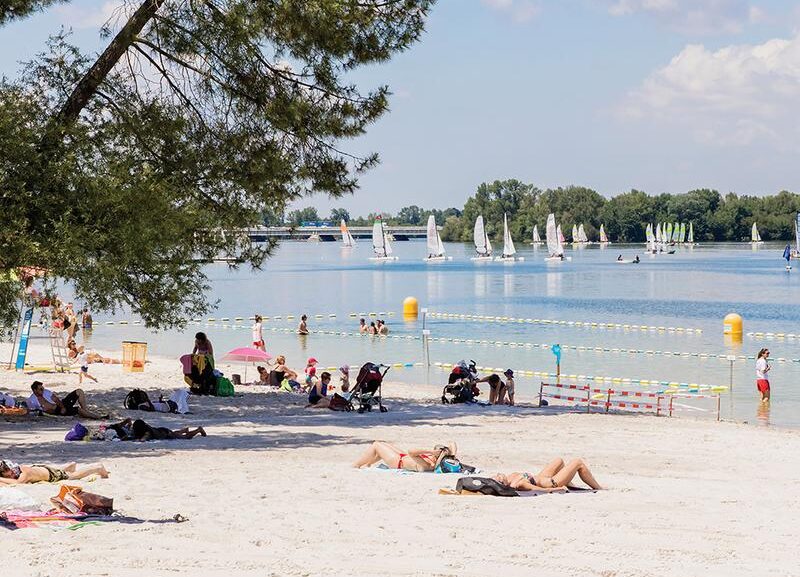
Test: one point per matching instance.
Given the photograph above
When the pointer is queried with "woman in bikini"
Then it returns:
(556, 476)
(419, 460)
(11, 474)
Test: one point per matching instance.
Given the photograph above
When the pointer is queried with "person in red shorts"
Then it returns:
(762, 374)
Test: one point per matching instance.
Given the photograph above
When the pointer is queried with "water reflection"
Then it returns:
(762, 413)
(508, 285)
(553, 284)
(481, 283)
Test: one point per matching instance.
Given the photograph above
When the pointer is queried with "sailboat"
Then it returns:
(483, 246)
(690, 236)
(682, 235)
(435, 247)
(755, 238)
(508, 244)
(380, 243)
(536, 238)
(347, 239)
(651, 239)
(582, 238)
(575, 238)
(560, 234)
(796, 251)
(555, 249)
(668, 236)
(604, 238)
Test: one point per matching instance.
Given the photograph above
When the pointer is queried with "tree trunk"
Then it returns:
(87, 86)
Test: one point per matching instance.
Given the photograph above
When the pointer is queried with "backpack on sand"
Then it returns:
(135, 398)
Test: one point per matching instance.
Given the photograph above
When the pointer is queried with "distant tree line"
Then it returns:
(715, 217)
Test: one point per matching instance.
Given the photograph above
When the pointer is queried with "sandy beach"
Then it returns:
(271, 491)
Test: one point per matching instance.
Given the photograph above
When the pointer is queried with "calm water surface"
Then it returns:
(694, 288)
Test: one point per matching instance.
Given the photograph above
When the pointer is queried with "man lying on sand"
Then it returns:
(554, 477)
(46, 400)
(419, 460)
(11, 474)
(138, 430)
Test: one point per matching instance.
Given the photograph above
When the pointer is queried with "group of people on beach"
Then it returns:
(555, 477)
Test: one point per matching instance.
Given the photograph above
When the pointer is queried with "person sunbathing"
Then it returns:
(91, 356)
(141, 431)
(47, 401)
(556, 476)
(11, 474)
(419, 460)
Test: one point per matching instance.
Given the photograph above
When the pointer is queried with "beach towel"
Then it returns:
(181, 399)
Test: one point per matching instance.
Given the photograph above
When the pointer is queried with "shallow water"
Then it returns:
(693, 288)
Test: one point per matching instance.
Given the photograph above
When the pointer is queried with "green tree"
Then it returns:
(117, 169)
(338, 215)
(301, 215)
(410, 215)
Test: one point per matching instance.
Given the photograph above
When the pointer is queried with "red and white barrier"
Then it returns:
(663, 403)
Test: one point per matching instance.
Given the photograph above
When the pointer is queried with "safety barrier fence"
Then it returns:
(761, 335)
(583, 324)
(608, 399)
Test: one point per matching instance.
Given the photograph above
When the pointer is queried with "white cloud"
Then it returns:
(737, 95)
(692, 17)
(521, 11)
(92, 13)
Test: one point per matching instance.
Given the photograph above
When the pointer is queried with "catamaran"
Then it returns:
(483, 247)
(380, 243)
(508, 244)
(582, 238)
(604, 238)
(555, 248)
(755, 238)
(435, 247)
(536, 238)
(347, 239)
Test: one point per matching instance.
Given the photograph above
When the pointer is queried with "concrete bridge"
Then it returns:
(330, 233)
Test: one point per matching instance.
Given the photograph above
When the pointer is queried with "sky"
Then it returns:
(656, 95)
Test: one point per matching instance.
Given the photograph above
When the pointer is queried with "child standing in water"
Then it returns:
(762, 374)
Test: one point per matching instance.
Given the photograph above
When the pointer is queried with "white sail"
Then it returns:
(658, 233)
(797, 233)
(347, 239)
(676, 232)
(690, 237)
(434, 241)
(551, 233)
(536, 238)
(603, 237)
(582, 234)
(754, 236)
(387, 246)
(560, 234)
(682, 237)
(482, 245)
(575, 234)
(508, 242)
(378, 239)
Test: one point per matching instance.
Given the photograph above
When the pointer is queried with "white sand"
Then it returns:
(270, 491)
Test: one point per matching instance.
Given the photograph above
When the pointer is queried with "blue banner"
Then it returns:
(23, 339)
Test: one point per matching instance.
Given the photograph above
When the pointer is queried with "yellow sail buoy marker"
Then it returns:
(732, 325)
(410, 307)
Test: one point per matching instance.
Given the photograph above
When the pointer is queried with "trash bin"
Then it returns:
(133, 356)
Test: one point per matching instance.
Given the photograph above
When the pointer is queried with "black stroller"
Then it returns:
(461, 385)
(367, 391)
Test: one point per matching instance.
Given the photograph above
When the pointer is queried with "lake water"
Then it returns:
(694, 288)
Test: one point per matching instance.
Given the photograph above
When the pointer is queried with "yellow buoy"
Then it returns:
(410, 307)
(732, 325)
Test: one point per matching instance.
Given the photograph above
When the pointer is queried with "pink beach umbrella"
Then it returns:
(246, 355)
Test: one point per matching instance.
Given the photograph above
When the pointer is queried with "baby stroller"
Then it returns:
(367, 391)
(461, 385)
